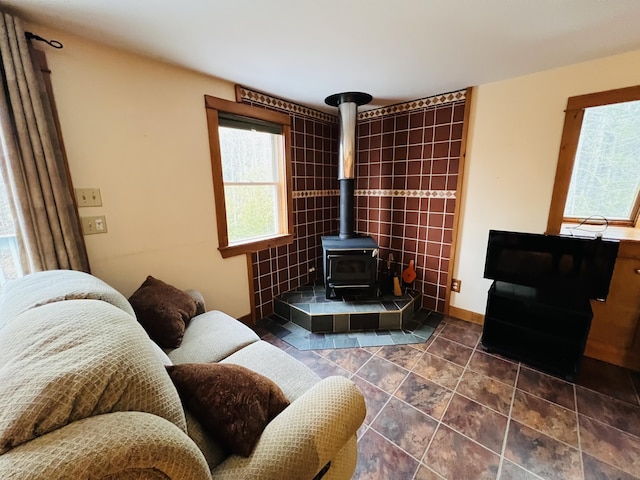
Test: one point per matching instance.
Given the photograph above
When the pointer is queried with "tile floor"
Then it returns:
(446, 409)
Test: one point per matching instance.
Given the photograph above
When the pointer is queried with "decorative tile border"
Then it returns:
(407, 193)
(246, 94)
(284, 105)
(414, 105)
(315, 193)
(379, 193)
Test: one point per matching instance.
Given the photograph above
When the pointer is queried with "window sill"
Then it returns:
(613, 232)
(244, 248)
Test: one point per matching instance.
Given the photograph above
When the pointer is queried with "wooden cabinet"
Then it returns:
(615, 328)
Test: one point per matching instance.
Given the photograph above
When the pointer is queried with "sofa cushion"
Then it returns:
(212, 450)
(231, 402)
(212, 336)
(163, 311)
(41, 288)
(73, 359)
(293, 377)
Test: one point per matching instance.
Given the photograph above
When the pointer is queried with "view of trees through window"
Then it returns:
(9, 258)
(606, 173)
(252, 182)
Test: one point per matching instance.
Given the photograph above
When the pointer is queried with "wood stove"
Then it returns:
(350, 263)
(349, 260)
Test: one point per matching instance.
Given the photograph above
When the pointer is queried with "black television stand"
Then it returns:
(546, 328)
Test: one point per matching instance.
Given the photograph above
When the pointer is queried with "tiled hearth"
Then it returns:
(445, 409)
(309, 308)
(307, 320)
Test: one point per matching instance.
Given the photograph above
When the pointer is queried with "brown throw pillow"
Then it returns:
(233, 403)
(163, 310)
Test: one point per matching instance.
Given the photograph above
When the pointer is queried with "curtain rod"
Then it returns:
(51, 43)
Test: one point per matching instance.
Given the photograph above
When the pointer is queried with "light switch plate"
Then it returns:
(88, 197)
(93, 225)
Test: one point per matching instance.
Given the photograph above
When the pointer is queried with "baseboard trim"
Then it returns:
(247, 320)
(466, 315)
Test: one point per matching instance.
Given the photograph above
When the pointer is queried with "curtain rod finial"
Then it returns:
(51, 43)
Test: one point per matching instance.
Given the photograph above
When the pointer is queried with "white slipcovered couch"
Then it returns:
(84, 394)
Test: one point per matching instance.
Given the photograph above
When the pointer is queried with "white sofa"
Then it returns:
(85, 394)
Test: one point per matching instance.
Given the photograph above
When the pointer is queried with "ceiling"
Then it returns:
(396, 50)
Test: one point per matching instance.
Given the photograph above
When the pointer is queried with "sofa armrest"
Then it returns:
(109, 446)
(300, 441)
(201, 307)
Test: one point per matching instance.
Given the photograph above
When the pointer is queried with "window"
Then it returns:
(598, 173)
(10, 267)
(606, 172)
(251, 176)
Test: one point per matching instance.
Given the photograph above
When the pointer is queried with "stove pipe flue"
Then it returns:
(347, 104)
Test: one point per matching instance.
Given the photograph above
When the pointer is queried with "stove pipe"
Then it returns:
(347, 104)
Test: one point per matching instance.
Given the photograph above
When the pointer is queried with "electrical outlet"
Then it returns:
(93, 225)
(455, 285)
(88, 197)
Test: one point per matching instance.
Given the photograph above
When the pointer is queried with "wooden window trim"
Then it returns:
(574, 114)
(470, 92)
(214, 105)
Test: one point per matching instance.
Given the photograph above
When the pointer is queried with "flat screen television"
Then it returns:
(552, 262)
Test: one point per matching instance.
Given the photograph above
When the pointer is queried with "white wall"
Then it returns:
(136, 128)
(512, 152)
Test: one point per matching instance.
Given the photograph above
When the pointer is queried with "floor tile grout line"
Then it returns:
(453, 393)
(515, 389)
(418, 462)
(606, 462)
(575, 387)
(392, 395)
(396, 389)
(509, 418)
(468, 368)
(464, 370)
(480, 403)
(605, 395)
(536, 395)
(578, 448)
(458, 343)
(545, 400)
(430, 470)
(357, 369)
(580, 452)
(439, 422)
(618, 430)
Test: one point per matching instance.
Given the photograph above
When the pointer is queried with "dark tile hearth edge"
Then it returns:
(352, 309)
(418, 330)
